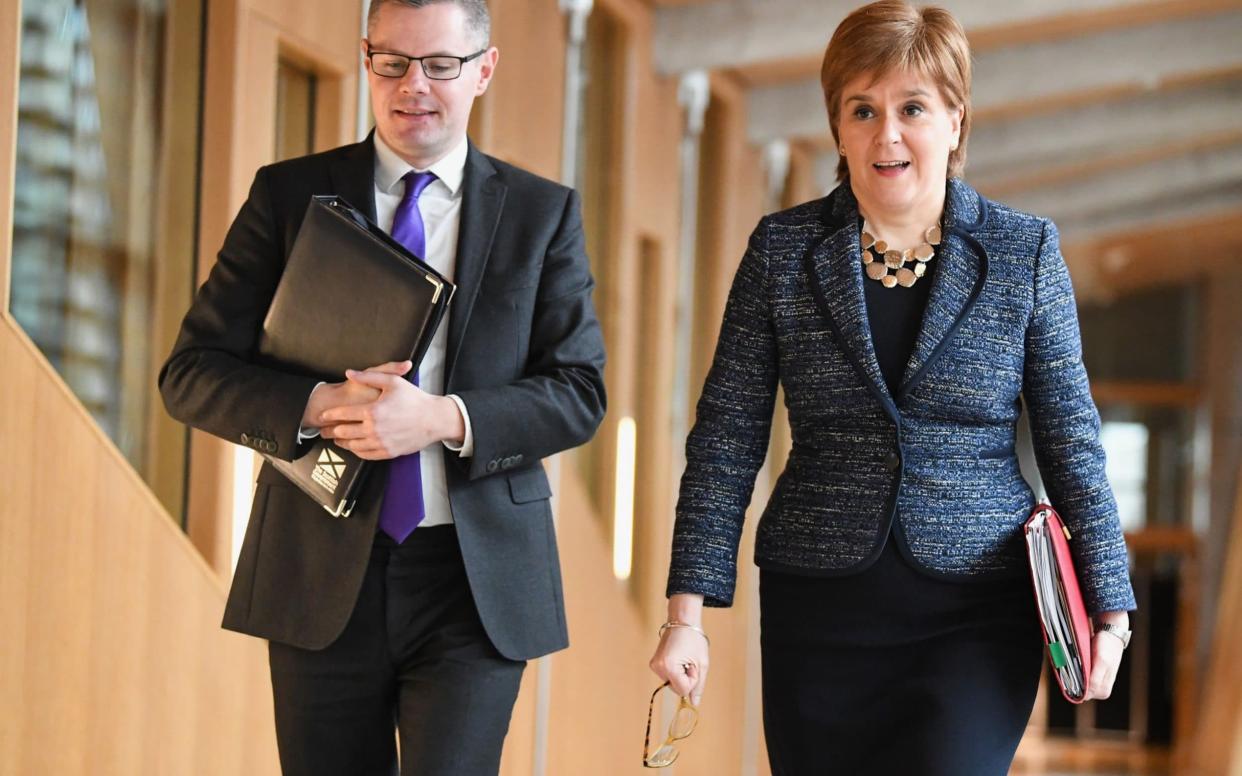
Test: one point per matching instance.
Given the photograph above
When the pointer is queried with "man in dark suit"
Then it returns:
(424, 604)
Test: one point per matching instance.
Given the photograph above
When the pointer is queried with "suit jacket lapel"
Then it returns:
(835, 266)
(956, 283)
(483, 197)
(353, 176)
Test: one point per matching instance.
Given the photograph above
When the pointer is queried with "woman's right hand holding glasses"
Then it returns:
(681, 658)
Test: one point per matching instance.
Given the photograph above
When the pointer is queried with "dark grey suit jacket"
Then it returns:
(525, 354)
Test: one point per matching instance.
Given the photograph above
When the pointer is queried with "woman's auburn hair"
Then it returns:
(893, 36)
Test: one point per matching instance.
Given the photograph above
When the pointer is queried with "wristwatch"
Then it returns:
(1118, 631)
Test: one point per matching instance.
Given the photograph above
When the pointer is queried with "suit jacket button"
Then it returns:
(893, 462)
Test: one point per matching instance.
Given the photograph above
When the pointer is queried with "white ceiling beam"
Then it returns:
(1136, 215)
(1008, 81)
(1005, 150)
(1129, 196)
(737, 33)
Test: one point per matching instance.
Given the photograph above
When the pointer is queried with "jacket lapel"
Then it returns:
(353, 176)
(483, 197)
(956, 283)
(835, 267)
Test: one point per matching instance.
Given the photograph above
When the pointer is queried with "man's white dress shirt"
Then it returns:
(440, 206)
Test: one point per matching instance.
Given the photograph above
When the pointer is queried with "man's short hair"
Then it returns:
(478, 19)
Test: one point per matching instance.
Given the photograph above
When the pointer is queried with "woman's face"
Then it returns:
(897, 133)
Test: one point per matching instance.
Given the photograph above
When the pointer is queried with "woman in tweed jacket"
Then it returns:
(898, 633)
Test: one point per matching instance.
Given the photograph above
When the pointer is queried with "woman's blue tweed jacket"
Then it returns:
(935, 462)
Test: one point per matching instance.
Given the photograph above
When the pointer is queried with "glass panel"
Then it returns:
(1147, 336)
(1150, 453)
(105, 212)
(1125, 444)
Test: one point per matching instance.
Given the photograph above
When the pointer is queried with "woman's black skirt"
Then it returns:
(892, 671)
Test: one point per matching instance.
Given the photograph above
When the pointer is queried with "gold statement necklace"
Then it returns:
(889, 266)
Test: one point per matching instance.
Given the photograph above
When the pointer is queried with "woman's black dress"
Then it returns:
(892, 671)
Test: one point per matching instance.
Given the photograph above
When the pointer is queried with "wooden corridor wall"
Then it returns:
(112, 661)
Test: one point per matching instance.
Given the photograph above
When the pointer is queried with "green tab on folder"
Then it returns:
(1057, 652)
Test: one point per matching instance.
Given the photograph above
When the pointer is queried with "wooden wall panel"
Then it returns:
(522, 110)
(654, 205)
(113, 661)
(327, 31)
(601, 684)
(1218, 747)
(244, 41)
(121, 643)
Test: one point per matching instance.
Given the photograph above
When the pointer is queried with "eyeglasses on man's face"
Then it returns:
(440, 67)
(680, 727)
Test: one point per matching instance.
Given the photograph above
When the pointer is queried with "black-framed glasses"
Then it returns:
(684, 720)
(441, 67)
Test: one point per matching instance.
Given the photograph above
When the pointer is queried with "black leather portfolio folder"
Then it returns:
(350, 297)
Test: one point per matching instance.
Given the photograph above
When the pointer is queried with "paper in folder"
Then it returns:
(1062, 613)
(350, 297)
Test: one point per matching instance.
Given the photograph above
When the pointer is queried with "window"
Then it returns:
(1141, 353)
(105, 209)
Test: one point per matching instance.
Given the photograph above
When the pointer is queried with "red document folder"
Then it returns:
(1062, 613)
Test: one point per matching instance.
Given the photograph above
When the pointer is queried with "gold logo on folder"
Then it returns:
(328, 470)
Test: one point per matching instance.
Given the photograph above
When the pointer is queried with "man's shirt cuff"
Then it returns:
(466, 448)
(305, 434)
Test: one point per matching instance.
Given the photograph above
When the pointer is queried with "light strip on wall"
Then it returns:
(623, 505)
(243, 492)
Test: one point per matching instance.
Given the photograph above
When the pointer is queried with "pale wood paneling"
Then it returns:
(1219, 745)
(245, 40)
(122, 614)
(114, 662)
(601, 684)
(523, 109)
(653, 201)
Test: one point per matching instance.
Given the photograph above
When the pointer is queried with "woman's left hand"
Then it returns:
(1106, 651)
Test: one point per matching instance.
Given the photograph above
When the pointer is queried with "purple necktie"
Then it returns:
(403, 509)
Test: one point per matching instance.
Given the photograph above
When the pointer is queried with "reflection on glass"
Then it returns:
(1145, 336)
(103, 232)
(1125, 445)
(1150, 453)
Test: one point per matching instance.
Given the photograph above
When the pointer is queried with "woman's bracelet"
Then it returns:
(679, 624)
